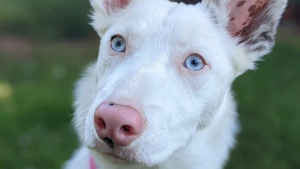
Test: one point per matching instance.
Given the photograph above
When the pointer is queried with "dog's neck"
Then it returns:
(207, 147)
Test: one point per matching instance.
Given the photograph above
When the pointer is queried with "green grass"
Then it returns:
(35, 129)
(46, 19)
(269, 108)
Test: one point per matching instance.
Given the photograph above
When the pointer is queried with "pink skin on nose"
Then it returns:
(120, 124)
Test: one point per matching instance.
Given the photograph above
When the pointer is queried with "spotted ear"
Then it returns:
(105, 13)
(253, 24)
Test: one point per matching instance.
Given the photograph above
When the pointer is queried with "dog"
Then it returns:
(159, 95)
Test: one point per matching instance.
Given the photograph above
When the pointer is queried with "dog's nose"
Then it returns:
(117, 124)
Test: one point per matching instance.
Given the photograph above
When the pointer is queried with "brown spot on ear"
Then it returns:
(252, 8)
(248, 16)
(256, 13)
(241, 3)
(239, 32)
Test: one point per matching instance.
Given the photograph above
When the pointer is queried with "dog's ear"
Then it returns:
(105, 12)
(252, 23)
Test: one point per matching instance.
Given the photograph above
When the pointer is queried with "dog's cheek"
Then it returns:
(107, 63)
(206, 93)
(84, 93)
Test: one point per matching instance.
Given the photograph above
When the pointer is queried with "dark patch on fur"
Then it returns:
(253, 41)
(214, 17)
(260, 48)
(265, 36)
(189, 2)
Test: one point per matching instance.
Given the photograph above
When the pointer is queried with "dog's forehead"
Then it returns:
(169, 17)
(169, 23)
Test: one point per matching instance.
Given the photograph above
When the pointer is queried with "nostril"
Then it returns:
(100, 123)
(126, 130)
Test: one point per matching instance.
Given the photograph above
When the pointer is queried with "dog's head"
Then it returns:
(164, 69)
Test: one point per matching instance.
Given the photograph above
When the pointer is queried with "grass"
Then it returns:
(268, 104)
(35, 129)
(47, 19)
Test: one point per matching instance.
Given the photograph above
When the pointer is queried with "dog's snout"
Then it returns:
(117, 123)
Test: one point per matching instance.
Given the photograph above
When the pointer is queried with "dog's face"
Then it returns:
(172, 64)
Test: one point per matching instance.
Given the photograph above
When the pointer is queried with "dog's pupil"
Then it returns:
(195, 62)
(119, 43)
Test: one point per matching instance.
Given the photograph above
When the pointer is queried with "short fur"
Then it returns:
(191, 115)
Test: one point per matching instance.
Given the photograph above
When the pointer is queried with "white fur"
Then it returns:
(191, 116)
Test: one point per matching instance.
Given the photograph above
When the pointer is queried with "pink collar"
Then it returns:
(92, 163)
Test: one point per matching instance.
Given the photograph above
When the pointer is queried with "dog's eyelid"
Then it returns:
(114, 36)
(200, 56)
(204, 59)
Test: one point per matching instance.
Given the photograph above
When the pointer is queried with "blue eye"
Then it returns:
(194, 63)
(118, 44)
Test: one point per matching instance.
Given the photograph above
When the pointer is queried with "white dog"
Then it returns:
(159, 95)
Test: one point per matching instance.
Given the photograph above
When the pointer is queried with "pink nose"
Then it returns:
(118, 125)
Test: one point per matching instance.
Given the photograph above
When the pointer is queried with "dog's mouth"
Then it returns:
(109, 142)
(110, 150)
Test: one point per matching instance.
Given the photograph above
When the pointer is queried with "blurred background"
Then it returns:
(45, 45)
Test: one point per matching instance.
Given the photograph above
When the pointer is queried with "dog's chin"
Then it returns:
(117, 155)
(117, 158)
(121, 156)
